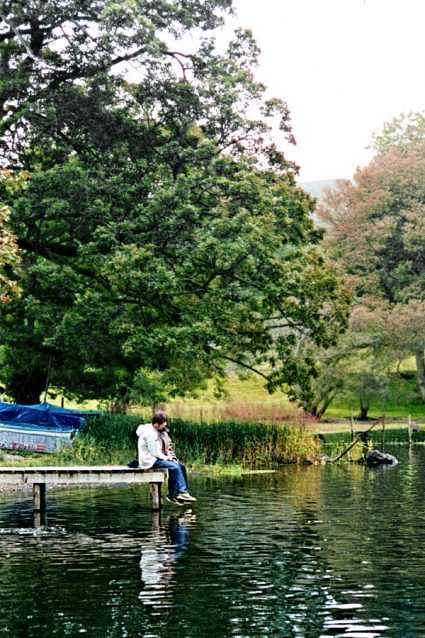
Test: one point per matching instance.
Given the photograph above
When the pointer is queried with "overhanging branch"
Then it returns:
(245, 365)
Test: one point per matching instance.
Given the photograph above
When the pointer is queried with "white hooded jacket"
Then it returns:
(149, 446)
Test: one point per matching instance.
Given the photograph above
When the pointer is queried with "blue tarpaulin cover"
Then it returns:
(39, 428)
(44, 414)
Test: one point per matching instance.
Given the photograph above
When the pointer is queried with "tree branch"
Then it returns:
(245, 365)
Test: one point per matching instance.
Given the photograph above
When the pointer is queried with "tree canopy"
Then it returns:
(404, 130)
(161, 230)
(376, 231)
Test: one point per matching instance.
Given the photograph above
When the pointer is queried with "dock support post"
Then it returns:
(39, 493)
(39, 519)
(383, 434)
(155, 494)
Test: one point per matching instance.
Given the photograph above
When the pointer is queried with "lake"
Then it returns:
(320, 551)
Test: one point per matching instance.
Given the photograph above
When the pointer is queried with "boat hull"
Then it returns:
(33, 438)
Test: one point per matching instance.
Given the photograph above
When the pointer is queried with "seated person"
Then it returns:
(152, 455)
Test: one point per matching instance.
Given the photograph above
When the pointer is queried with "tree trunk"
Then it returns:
(327, 400)
(311, 408)
(420, 373)
(118, 406)
(364, 409)
(26, 387)
(320, 403)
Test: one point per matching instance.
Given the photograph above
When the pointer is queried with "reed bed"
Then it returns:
(112, 438)
(250, 444)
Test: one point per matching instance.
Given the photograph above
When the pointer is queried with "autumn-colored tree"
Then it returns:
(405, 332)
(8, 257)
(9, 251)
(375, 229)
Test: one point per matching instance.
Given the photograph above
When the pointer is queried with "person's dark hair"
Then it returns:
(159, 418)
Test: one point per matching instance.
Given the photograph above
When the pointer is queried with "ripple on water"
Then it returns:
(307, 552)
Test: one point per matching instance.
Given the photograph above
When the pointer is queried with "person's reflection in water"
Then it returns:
(161, 552)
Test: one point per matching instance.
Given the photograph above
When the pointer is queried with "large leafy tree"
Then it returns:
(357, 366)
(376, 231)
(162, 232)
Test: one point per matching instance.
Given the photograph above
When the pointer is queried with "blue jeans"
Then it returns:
(176, 477)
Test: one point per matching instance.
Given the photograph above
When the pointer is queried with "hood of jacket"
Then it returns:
(141, 427)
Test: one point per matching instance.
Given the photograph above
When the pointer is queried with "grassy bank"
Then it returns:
(212, 446)
(393, 436)
(248, 401)
(401, 400)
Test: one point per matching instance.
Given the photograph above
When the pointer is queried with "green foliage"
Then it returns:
(368, 384)
(404, 130)
(357, 366)
(163, 234)
(248, 444)
(401, 399)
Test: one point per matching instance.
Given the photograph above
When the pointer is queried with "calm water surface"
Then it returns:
(306, 552)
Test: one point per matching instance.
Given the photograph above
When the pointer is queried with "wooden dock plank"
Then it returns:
(79, 475)
(39, 477)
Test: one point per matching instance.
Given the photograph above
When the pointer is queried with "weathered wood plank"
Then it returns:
(39, 477)
(78, 475)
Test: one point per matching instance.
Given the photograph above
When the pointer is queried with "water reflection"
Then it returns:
(314, 552)
(160, 553)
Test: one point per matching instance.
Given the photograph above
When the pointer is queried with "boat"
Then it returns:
(44, 427)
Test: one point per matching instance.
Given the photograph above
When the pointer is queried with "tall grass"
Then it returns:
(111, 438)
(245, 412)
(250, 444)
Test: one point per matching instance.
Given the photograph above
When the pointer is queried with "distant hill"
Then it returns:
(316, 188)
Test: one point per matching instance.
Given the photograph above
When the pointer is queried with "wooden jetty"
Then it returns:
(39, 477)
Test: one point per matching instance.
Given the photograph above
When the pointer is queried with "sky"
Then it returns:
(344, 67)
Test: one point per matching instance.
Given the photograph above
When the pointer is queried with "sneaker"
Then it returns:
(185, 496)
(176, 500)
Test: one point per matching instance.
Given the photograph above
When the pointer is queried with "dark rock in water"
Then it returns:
(380, 458)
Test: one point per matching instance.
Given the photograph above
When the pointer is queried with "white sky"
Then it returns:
(344, 67)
